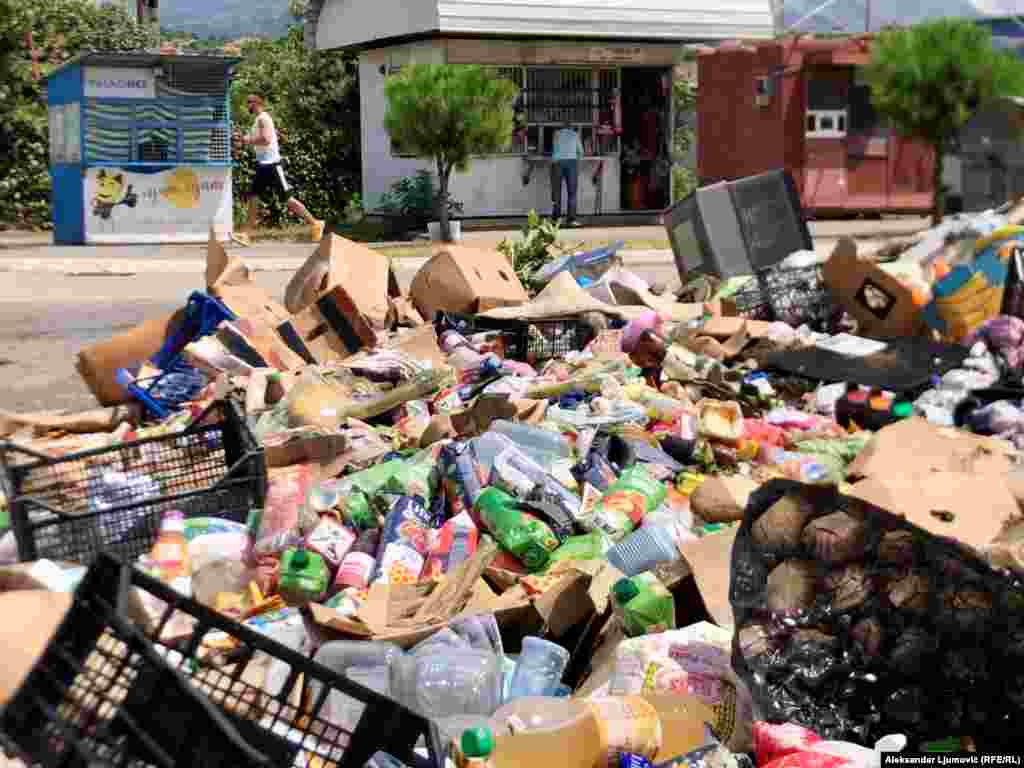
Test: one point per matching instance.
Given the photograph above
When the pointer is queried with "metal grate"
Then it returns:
(168, 129)
(583, 97)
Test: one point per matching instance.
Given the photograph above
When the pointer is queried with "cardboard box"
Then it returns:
(98, 364)
(330, 330)
(916, 447)
(882, 306)
(467, 280)
(364, 273)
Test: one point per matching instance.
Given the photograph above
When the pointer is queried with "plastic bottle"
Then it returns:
(644, 604)
(539, 668)
(488, 447)
(357, 568)
(683, 718)
(475, 749)
(170, 552)
(659, 406)
(622, 507)
(447, 682)
(530, 540)
(643, 549)
(304, 576)
(341, 655)
(528, 731)
(795, 466)
(541, 445)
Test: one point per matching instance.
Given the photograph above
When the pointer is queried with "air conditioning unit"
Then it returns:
(764, 89)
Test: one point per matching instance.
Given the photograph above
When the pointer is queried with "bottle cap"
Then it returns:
(625, 590)
(903, 410)
(477, 742)
(300, 558)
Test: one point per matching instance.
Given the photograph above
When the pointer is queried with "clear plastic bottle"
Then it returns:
(539, 668)
(643, 549)
(541, 445)
(528, 731)
(488, 447)
(342, 656)
(448, 682)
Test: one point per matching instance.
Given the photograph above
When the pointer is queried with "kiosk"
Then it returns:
(140, 148)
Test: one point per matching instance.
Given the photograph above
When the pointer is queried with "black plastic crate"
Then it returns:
(118, 688)
(794, 296)
(528, 342)
(72, 507)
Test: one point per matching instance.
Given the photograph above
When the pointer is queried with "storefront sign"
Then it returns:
(616, 55)
(179, 204)
(119, 83)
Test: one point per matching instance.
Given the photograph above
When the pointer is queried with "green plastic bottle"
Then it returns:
(475, 749)
(530, 540)
(304, 576)
(644, 605)
(623, 506)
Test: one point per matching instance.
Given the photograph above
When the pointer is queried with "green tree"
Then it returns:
(930, 79)
(59, 30)
(449, 113)
(314, 98)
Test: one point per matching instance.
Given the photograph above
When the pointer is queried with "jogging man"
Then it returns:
(269, 181)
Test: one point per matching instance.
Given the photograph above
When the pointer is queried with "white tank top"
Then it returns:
(266, 154)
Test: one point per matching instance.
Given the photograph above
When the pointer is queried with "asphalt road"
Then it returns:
(46, 318)
(55, 301)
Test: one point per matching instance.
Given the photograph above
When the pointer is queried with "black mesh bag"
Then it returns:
(855, 623)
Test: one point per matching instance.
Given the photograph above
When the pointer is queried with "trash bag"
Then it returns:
(855, 623)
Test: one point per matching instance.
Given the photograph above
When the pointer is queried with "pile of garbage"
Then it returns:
(597, 525)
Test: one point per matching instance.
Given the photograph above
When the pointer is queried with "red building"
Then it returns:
(800, 103)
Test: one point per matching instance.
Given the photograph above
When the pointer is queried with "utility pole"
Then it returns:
(867, 16)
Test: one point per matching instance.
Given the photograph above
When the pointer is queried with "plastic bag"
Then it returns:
(692, 660)
(857, 624)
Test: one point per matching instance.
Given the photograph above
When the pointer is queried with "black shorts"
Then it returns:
(269, 182)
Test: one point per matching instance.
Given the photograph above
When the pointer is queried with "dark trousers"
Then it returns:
(568, 171)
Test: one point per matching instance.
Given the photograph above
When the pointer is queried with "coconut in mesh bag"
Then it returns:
(857, 624)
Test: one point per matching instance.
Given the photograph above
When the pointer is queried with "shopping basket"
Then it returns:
(72, 507)
(138, 674)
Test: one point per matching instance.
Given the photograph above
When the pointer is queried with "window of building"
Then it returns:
(548, 96)
(827, 109)
(864, 120)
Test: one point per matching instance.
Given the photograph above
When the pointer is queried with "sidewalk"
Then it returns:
(35, 252)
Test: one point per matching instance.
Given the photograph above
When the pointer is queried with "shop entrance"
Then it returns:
(646, 158)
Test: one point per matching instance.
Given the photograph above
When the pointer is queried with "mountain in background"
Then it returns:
(228, 19)
(236, 18)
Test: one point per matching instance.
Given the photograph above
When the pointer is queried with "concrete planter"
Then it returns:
(434, 228)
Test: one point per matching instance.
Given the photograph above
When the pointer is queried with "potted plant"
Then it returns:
(454, 219)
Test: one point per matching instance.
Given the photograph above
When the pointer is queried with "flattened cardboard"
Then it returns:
(467, 280)
(284, 449)
(98, 364)
(916, 447)
(258, 318)
(724, 328)
(971, 508)
(882, 306)
(710, 561)
(422, 344)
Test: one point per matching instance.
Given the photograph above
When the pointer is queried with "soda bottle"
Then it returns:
(530, 540)
(170, 552)
(304, 576)
(357, 568)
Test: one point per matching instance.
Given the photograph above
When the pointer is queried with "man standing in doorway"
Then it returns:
(269, 180)
(565, 165)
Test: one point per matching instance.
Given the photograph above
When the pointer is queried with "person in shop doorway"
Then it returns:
(269, 181)
(565, 166)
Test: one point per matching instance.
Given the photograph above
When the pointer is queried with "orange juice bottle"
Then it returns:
(170, 553)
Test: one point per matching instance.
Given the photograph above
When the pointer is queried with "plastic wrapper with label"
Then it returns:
(627, 500)
(694, 660)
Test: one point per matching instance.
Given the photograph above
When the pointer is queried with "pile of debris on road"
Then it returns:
(746, 527)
